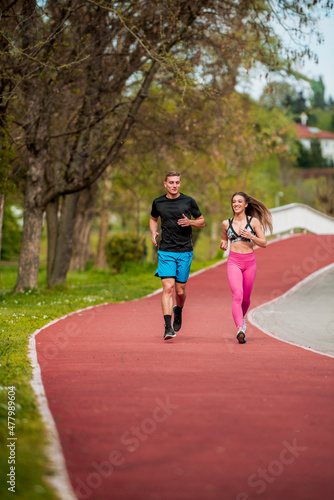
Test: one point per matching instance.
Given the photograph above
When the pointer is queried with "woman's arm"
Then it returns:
(224, 239)
(259, 239)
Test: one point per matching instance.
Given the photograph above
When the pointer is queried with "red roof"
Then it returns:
(305, 132)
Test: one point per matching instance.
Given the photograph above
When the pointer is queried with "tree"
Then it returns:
(102, 82)
(77, 73)
(311, 157)
(278, 94)
(84, 214)
(6, 185)
(103, 210)
(318, 87)
(325, 191)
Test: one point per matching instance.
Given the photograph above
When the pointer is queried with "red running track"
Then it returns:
(199, 417)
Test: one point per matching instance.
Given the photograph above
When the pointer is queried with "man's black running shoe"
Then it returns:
(177, 323)
(169, 333)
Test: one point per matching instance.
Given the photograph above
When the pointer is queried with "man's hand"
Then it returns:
(154, 230)
(184, 222)
(154, 239)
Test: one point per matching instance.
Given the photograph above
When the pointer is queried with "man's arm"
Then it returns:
(154, 229)
(198, 222)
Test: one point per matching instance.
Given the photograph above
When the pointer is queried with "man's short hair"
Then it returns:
(172, 173)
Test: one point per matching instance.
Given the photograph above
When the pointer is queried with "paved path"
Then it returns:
(304, 316)
(199, 417)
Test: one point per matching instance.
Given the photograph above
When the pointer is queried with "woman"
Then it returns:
(246, 228)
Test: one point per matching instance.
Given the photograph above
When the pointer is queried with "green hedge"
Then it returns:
(122, 248)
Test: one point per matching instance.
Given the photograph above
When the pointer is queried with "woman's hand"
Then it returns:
(224, 244)
(259, 238)
(245, 233)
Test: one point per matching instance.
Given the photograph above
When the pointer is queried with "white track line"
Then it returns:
(251, 313)
(60, 479)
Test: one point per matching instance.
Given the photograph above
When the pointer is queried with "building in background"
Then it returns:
(308, 134)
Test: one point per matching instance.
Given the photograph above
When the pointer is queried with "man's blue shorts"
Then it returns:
(174, 265)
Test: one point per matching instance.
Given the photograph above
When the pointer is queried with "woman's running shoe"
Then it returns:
(241, 337)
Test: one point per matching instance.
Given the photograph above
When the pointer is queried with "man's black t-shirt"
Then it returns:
(175, 238)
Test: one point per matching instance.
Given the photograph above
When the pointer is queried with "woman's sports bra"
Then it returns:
(233, 236)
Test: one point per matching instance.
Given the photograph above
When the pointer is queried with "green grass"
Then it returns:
(22, 314)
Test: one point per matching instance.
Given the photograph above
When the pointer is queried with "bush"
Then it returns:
(122, 248)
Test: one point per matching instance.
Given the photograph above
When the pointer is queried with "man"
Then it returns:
(175, 248)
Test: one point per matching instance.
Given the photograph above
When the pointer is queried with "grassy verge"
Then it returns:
(20, 316)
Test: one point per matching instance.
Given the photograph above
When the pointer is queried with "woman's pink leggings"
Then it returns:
(241, 271)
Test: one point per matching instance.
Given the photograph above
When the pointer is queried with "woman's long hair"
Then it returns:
(256, 209)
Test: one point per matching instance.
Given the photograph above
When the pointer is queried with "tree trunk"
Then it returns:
(90, 255)
(83, 223)
(2, 206)
(64, 240)
(52, 230)
(27, 276)
(100, 262)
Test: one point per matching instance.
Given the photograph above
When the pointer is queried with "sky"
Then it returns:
(324, 68)
(325, 52)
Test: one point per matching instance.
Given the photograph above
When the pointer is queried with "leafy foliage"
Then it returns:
(122, 248)
(11, 235)
(7, 154)
(312, 158)
(77, 73)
